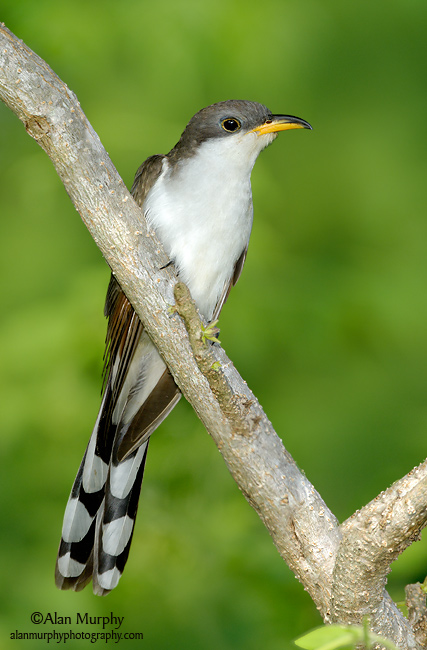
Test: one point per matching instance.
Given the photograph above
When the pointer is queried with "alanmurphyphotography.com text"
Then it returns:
(110, 625)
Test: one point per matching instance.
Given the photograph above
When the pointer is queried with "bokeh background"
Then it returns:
(327, 323)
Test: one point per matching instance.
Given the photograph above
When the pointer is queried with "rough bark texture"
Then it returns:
(343, 567)
(417, 611)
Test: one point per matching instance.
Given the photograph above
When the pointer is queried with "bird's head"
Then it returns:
(234, 128)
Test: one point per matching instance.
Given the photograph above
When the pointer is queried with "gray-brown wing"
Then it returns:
(227, 288)
(124, 332)
(124, 327)
(145, 177)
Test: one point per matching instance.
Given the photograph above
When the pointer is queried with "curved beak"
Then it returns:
(277, 123)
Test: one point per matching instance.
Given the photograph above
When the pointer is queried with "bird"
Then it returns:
(198, 201)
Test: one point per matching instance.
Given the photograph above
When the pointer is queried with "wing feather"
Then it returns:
(227, 287)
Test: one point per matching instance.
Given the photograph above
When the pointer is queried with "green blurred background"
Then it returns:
(327, 323)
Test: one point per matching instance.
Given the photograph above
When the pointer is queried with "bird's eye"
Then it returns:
(230, 124)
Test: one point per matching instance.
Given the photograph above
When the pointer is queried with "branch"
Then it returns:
(373, 537)
(417, 611)
(304, 530)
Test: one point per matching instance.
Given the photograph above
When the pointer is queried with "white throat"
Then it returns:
(202, 212)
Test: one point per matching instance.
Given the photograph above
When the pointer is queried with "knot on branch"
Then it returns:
(37, 127)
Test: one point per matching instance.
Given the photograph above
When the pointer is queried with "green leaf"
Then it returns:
(341, 637)
(330, 637)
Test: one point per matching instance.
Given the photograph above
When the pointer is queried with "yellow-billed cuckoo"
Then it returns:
(198, 200)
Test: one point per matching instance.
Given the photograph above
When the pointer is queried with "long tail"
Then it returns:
(99, 521)
(114, 534)
(100, 515)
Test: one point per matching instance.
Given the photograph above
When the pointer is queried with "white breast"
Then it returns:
(202, 213)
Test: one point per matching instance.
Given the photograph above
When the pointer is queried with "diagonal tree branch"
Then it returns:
(292, 510)
(323, 555)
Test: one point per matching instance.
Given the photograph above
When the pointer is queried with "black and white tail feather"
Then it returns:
(100, 515)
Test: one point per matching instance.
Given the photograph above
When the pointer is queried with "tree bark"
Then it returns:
(343, 567)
